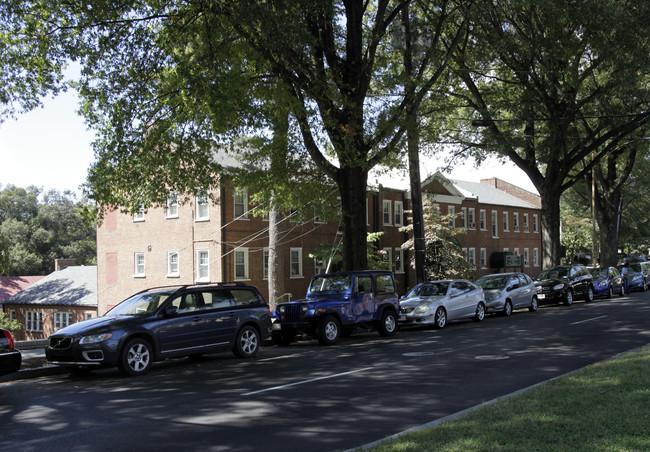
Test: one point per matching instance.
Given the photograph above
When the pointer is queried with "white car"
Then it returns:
(437, 302)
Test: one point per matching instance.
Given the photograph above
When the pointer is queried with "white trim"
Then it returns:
(202, 257)
(139, 269)
(171, 273)
(241, 261)
(299, 274)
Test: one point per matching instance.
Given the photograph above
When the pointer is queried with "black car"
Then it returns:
(10, 358)
(165, 322)
(564, 283)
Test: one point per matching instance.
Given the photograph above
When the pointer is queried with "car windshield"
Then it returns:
(493, 282)
(598, 272)
(635, 268)
(553, 273)
(429, 289)
(331, 283)
(140, 304)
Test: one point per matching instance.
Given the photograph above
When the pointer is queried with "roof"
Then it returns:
(11, 285)
(72, 286)
(487, 194)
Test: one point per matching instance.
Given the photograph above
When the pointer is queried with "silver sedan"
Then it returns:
(505, 292)
(437, 302)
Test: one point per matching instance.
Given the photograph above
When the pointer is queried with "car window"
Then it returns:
(364, 284)
(429, 289)
(216, 299)
(188, 302)
(524, 280)
(385, 284)
(460, 287)
(493, 282)
(245, 297)
(139, 304)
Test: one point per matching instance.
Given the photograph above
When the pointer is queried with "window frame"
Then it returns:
(202, 206)
(387, 216)
(139, 269)
(241, 204)
(202, 270)
(33, 321)
(58, 322)
(398, 214)
(170, 271)
(171, 210)
(243, 252)
(299, 274)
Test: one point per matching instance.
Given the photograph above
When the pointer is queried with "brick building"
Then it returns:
(201, 241)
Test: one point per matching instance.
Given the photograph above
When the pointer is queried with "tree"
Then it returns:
(555, 84)
(445, 258)
(33, 232)
(165, 83)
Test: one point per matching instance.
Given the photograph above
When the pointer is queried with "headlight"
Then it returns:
(95, 338)
(603, 283)
(282, 309)
(493, 296)
(422, 309)
(559, 287)
(304, 308)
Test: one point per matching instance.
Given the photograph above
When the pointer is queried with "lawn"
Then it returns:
(604, 407)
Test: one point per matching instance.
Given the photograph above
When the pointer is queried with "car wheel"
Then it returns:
(610, 292)
(533, 305)
(590, 295)
(568, 298)
(247, 342)
(388, 323)
(282, 339)
(441, 318)
(507, 309)
(137, 357)
(329, 330)
(644, 286)
(480, 312)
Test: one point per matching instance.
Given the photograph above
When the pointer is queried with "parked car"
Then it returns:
(637, 277)
(607, 281)
(165, 322)
(10, 357)
(438, 302)
(505, 292)
(564, 283)
(337, 303)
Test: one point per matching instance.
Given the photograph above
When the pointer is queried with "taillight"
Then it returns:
(9, 337)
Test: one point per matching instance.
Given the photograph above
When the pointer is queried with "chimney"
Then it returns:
(60, 264)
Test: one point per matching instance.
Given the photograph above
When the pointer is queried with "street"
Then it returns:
(309, 397)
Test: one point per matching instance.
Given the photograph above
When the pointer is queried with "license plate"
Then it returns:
(541, 296)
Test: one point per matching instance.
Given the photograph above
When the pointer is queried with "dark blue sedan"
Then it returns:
(607, 282)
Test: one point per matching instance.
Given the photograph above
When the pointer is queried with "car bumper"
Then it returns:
(416, 320)
(496, 305)
(10, 362)
(103, 354)
(551, 297)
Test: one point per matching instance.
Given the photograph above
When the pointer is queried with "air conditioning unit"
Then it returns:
(472, 225)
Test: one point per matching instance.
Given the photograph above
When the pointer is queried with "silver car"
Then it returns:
(505, 292)
(437, 302)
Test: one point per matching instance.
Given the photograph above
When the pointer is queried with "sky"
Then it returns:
(50, 147)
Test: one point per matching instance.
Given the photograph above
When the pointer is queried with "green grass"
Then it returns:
(604, 407)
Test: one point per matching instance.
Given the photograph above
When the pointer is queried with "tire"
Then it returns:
(589, 297)
(136, 357)
(329, 330)
(387, 325)
(507, 308)
(480, 312)
(644, 286)
(568, 298)
(610, 292)
(247, 342)
(441, 318)
(533, 305)
(283, 339)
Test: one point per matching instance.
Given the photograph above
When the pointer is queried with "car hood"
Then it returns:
(414, 301)
(98, 324)
(550, 282)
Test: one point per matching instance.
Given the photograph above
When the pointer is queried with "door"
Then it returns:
(363, 299)
(183, 332)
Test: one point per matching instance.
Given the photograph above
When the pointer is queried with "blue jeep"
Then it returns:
(336, 303)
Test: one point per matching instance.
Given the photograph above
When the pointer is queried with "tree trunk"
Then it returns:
(352, 183)
(276, 257)
(550, 220)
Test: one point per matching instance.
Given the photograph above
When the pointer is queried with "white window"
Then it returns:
(138, 260)
(483, 257)
(471, 217)
(399, 260)
(387, 213)
(535, 257)
(295, 259)
(88, 315)
(33, 321)
(526, 228)
(506, 250)
(241, 263)
(265, 257)
(139, 215)
(202, 207)
(526, 258)
(12, 315)
(387, 257)
(515, 221)
(202, 265)
(495, 224)
(172, 264)
(62, 319)
(506, 225)
(399, 213)
(451, 210)
(483, 220)
(240, 201)
(320, 266)
(463, 217)
(516, 251)
(172, 205)
(535, 228)
(471, 258)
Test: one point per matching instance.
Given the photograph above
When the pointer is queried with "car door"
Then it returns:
(363, 299)
(459, 304)
(525, 291)
(183, 331)
(221, 307)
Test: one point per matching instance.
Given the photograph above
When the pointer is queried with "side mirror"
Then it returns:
(170, 311)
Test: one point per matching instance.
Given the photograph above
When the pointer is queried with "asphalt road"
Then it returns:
(306, 397)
